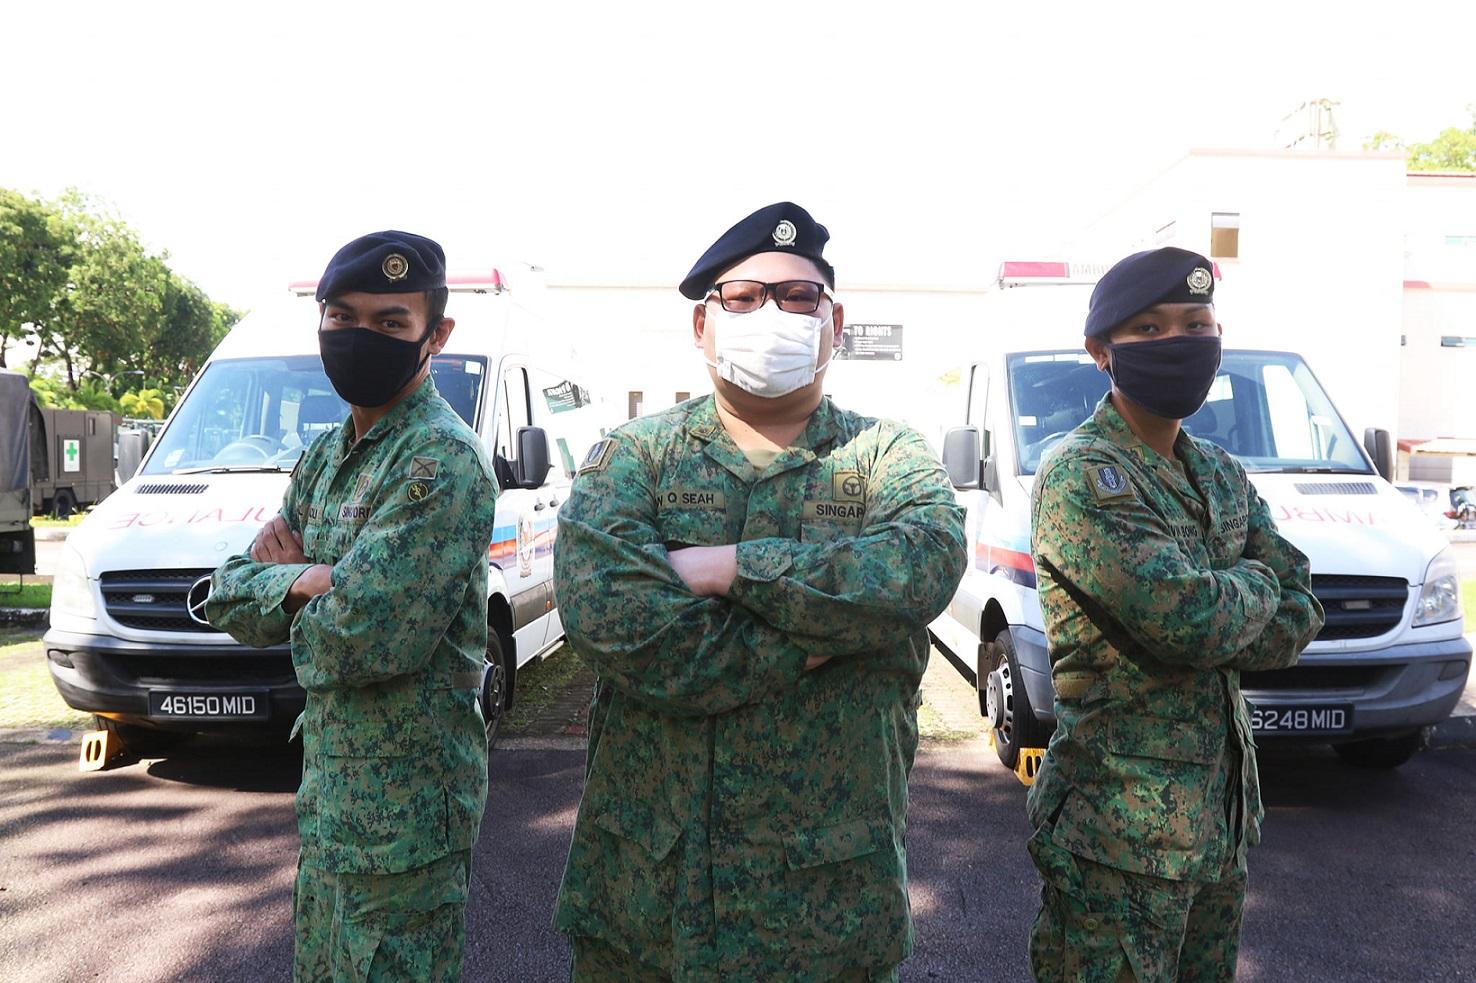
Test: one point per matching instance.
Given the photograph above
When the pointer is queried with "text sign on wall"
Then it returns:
(871, 342)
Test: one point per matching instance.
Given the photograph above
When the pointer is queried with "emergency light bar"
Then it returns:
(1019, 273)
(459, 283)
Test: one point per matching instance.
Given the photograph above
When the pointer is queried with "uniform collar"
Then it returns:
(821, 430)
(1115, 428)
(393, 421)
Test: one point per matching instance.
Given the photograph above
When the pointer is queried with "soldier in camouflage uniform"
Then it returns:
(750, 575)
(1162, 578)
(376, 569)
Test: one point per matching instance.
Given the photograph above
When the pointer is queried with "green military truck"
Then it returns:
(79, 471)
(20, 463)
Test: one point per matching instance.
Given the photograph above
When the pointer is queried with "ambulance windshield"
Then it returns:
(1266, 408)
(260, 414)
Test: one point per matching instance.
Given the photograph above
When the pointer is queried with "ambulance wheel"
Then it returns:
(1006, 704)
(145, 742)
(1380, 752)
(496, 689)
(64, 504)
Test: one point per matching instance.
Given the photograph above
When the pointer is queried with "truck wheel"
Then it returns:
(146, 742)
(1007, 705)
(1380, 752)
(496, 687)
(64, 504)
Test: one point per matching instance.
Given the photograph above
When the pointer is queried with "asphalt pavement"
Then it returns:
(181, 869)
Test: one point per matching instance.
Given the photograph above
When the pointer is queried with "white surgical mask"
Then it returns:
(767, 352)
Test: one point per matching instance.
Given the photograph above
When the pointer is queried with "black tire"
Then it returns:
(1380, 752)
(145, 742)
(64, 504)
(496, 691)
(1005, 703)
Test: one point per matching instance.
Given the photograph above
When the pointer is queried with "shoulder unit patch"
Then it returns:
(598, 457)
(1108, 482)
(424, 467)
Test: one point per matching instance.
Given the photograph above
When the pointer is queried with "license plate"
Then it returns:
(1302, 719)
(174, 705)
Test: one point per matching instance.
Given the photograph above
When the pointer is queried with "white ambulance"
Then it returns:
(1392, 658)
(128, 639)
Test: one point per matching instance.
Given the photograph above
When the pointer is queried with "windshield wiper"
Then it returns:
(235, 469)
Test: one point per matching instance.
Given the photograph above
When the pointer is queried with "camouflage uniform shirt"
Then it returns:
(743, 817)
(394, 749)
(1159, 582)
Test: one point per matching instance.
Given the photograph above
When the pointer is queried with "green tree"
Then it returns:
(35, 253)
(1454, 149)
(109, 312)
(190, 326)
(144, 403)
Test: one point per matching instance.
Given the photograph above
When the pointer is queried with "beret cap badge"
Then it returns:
(395, 267)
(785, 233)
(1199, 281)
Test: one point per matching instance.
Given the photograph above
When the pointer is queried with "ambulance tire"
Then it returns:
(143, 742)
(64, 504)
(1380, 752)
(1010, 714)
(496, 692)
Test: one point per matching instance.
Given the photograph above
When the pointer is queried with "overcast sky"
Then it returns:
(615, 141)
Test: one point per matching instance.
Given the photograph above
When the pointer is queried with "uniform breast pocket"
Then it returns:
(827, 531)
(693, 527)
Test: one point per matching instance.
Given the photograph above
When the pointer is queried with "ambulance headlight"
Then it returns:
(71, 592)
(1440, 598)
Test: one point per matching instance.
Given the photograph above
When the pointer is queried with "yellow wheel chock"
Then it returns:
(98, 748)
(1027, 766)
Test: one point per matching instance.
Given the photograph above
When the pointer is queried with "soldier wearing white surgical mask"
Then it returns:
(751, 574)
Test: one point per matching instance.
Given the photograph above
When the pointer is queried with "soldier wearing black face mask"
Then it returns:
(1162, 577)
(376, 570)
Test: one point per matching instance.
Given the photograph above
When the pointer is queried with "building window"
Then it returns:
(683, 397)
(1456, 341)
(1224, 235)
(635, 403)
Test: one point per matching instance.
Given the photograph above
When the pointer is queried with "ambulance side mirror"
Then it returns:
(1376, 442)
(961, 456)
(533, 463)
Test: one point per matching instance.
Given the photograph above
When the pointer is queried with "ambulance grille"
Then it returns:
(1359, 607)
(1336, 488)
(152, 600)
(169, 488)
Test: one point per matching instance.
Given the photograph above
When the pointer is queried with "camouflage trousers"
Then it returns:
(599, 962)
(361, 927)
(1098, 924)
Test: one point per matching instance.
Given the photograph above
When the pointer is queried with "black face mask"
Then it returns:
(368, 368)
(1169, 377)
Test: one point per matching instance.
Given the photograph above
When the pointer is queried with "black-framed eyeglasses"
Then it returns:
(792, 296)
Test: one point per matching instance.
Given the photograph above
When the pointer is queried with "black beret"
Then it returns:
(387, 262)
(781, 228)
(1156, 276)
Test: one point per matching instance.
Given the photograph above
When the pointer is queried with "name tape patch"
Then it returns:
(693, 498)
(834, 511)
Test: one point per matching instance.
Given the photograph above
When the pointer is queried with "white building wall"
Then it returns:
(1439, 396)
(1320, 259)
